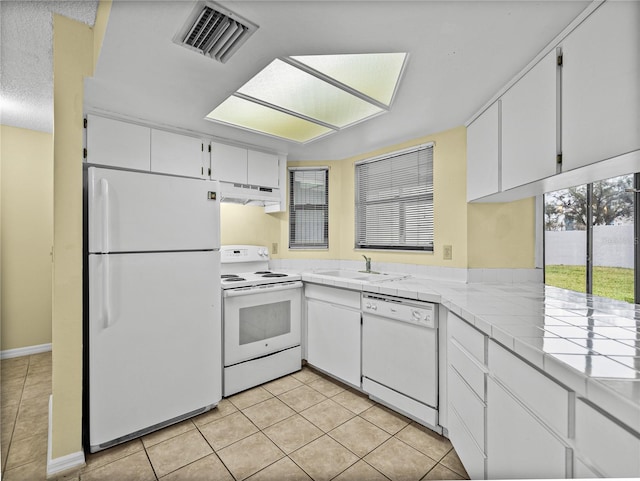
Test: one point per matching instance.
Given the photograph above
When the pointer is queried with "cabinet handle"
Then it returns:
(104, 187)
(106, 293)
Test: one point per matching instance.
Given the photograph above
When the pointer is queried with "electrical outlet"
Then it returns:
(274, 247)
(447, 252)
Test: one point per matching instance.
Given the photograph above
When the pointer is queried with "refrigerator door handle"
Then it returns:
(106, 292)
(104, 187)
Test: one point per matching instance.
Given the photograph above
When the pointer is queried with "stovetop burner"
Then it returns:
(228, 276)
(274, 274)
(262, 272)
(234, 279)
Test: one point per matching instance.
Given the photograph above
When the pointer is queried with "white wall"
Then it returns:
(613, 246)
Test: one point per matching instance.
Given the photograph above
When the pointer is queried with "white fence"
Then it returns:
(613, 246)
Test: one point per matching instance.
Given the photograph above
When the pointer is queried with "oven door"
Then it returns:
(261, 320)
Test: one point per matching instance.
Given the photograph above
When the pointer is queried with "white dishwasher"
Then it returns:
(400, 355)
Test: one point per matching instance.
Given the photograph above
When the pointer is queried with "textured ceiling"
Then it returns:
(26, 76)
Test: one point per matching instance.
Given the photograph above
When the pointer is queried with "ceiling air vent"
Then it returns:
(214, 31)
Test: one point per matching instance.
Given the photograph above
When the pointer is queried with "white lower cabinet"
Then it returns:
(473, 458)
(528, 420)
(547, 399)
(610, 447)
(466, 379)
(582, 471)
(518, 444)
(333, 332)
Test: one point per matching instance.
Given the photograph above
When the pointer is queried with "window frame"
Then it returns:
(400, 201)
(589, 256)
(293, 208)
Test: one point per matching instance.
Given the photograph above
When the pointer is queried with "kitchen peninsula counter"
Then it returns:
(588, 343)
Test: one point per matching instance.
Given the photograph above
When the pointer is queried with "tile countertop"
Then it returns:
(590, 344)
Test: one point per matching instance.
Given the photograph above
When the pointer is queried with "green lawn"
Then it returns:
(612, 282)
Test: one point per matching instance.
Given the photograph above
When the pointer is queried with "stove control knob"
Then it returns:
(374, 307)
(416, 315)
(368, 305)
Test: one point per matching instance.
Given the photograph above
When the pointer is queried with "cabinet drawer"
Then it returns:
(469, 338)
(472, 457)
(545, 397)
(609, 447)
(468, 368)
(582, 471)
(333, 295)
(468, 406)
(518, 444)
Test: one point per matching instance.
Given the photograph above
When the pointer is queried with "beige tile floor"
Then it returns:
(299, 427)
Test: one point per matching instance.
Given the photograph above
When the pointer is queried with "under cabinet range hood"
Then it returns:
(246, 194)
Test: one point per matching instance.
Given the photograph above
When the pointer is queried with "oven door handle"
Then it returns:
(266, 288)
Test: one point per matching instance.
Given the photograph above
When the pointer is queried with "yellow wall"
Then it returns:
(450, 207)
(73, 60)
(502, 235)
(27, 237)
(481, 235)
(247, 224)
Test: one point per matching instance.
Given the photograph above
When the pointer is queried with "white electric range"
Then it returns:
(262, 312)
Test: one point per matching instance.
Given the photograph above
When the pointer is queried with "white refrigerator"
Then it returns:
(154, 306)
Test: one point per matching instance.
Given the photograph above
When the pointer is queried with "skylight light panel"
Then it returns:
(375, 74)
(295, 90)
(253, 116)
(307, 97)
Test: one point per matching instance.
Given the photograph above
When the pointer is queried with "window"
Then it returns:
(394, 201)
(309, 208)
(590, 238)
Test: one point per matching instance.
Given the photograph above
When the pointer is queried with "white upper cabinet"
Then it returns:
(483, 153)
(242, 166)
(229, 163)
(529, 126)
(177, 154)
(601, 86)
(263, 169)
(118, 144)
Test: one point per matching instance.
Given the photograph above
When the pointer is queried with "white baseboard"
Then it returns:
(25, 351)
(63, 463)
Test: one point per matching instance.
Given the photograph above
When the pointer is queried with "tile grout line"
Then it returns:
(146, 453)
(262, 431)
(214, 450)
(15, 421)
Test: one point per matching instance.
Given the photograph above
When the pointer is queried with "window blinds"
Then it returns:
(394, 201)
(309, 208)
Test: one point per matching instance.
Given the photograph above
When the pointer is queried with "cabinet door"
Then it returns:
(600, 87)
(228, 163)
(529, 110)
(472, 457)
(483, 152)
(176, 154)
(518, 445)
(333, 337)
(263, 169)
(611, 448)
(118, 144)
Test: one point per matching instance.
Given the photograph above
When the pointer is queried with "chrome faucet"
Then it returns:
(367, 263)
